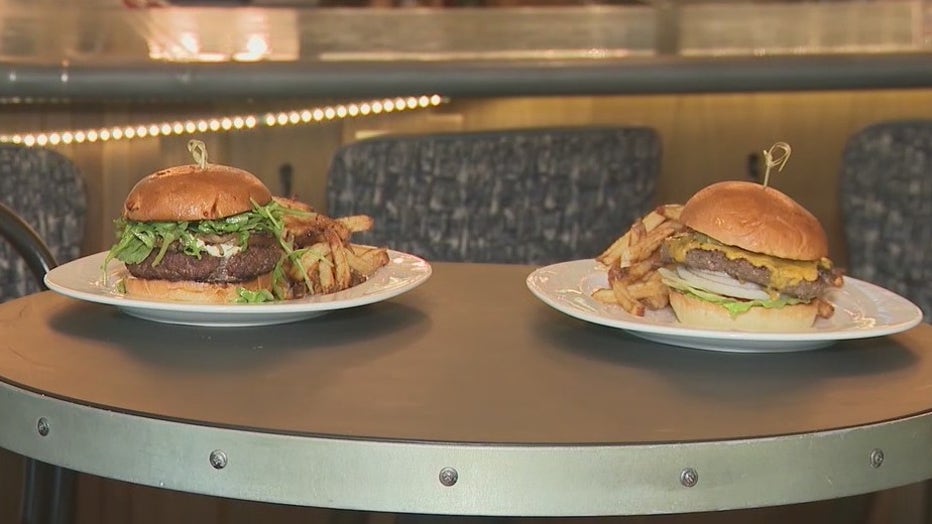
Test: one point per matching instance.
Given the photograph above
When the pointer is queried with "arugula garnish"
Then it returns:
(247, 296)
(137, 240)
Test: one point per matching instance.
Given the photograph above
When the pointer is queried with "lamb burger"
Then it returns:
(199, 233)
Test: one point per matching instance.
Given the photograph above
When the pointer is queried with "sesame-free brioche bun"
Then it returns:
(191, 193)
(191, 291)
(691, 311)
(756, 218)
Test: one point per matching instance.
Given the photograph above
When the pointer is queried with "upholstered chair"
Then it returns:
(886, 200)
(46, 191)
(533, 196)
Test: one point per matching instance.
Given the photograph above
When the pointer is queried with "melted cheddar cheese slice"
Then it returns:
(783, 272)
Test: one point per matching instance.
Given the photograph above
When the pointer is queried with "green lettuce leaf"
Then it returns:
(734, 306)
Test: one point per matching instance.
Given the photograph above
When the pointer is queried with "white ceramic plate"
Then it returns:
(83, 279)
(862, 310)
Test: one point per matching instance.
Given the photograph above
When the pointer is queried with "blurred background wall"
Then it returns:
(706, 137)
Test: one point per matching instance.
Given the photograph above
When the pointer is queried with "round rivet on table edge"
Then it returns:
(876, 457)
(218, 459)
(448, 476)
(42, 426)
(689, 477)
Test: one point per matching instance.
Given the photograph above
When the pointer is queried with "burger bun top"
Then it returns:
(756, 218)
(190, 193)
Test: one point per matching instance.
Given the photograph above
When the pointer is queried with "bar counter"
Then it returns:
(657, 75)
(103, 51)
(464, 396)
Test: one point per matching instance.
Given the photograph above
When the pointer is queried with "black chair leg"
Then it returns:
(48, 494)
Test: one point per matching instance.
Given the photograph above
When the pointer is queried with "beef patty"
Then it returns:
(744, 271)
(261, 255)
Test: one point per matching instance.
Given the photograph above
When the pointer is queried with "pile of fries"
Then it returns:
(324, 259)
(633, 260)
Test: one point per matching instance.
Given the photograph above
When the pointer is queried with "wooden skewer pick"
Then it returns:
(770, 162)
(199, 151)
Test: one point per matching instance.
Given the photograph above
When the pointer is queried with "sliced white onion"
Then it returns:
(721, 283)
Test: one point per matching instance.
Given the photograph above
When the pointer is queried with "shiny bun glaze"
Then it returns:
(691, 311)
(191, 291)
(758, 219)
(191, 193)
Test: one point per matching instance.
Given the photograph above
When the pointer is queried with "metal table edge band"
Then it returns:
(462, 478)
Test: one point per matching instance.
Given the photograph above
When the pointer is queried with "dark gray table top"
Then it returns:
(470, 356)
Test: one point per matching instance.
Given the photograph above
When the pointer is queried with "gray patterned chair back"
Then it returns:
(48, 192)
(528, 196)
(886, 199)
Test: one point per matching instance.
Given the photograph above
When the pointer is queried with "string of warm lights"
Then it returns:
(224, 123)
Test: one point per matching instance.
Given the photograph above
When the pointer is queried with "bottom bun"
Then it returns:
(191, 291)
(694, 312)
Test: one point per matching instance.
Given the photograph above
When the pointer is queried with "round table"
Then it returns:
(465, 396)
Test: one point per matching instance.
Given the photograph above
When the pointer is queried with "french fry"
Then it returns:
(620, 249)
(671, 211)
(324, 259)
(653, 219)
(655, 295)
(342, 273)
(356, 223)
(635, 271)
(638, 232)
(606, 296)
(657, 301)
(626, 301)
(633, 259)
(649, 243)
(650, 222)
(646, 289)
(292, 203)
(377, 258)
(309, 260)
(824, 308)
(325, 273)
(366, 261)
(360, 250)
(614, 251)
(305, 261)
(308, 226)
(377, 254)
(316, 253)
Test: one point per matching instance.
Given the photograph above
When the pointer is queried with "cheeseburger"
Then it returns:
(750, 259)
(199, 233)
